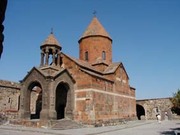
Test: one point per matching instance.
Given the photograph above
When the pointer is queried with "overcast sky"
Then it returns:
(145, 33)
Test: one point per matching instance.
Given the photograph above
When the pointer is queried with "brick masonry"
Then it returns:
(9, 98)
(105, 102)
(97, 99)
(152, 107)
(96, 45)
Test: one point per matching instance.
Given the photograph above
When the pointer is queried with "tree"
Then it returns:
(176, 102)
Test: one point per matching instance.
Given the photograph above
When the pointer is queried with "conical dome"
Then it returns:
(51, 40)
(95, 28)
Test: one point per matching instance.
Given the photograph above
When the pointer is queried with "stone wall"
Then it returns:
(9, 98)
(98, 99)
(152, 107)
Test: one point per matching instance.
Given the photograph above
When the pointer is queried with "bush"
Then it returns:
(176, 102)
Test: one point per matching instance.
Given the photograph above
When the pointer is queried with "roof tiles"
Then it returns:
(51, 40)
(95, 28)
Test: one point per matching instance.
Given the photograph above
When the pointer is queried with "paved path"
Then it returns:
(131, 128)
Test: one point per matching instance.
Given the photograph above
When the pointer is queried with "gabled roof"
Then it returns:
(112, 68)
(34, 68)
(82, 63)
(62, 71)
(95, 74)
(124, 70)
(46, 75)
(51, 40)
(100, 61)
(86, 67)
(40, 71)
(95, 28)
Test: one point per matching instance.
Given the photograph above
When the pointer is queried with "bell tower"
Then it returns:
(50, 49)
(95, 45)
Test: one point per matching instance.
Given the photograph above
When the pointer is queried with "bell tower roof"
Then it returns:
(95, 28)
(51, 40)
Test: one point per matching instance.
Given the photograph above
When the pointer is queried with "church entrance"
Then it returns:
(61, 99)
(35, 100)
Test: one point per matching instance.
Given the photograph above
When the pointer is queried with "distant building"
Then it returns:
(149, 108)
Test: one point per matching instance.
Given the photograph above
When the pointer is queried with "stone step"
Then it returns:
(66, 124)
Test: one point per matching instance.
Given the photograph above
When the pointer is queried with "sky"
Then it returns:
(145, 33)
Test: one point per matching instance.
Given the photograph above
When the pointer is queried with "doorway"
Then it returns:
(140, 111)
(35, 100)
(61, 99)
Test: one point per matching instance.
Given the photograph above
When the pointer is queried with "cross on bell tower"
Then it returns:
(94, 13)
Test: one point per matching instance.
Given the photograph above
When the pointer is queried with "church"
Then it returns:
(88, 89)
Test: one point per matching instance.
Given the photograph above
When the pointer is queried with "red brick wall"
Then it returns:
(109, 107)
(95, 46)
(99, 100)
(101, 84)
(79, 76)
(100, 67)
(121, 82)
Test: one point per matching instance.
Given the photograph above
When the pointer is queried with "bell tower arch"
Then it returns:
(50, 48)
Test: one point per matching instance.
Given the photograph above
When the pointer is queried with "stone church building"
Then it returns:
(87, 89)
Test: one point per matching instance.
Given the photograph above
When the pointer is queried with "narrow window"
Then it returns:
(86, 55)
(104, 55)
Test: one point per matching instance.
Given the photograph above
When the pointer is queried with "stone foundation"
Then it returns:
(30, 123)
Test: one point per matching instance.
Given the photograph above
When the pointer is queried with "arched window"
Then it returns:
(104, 55)
(86, 56)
